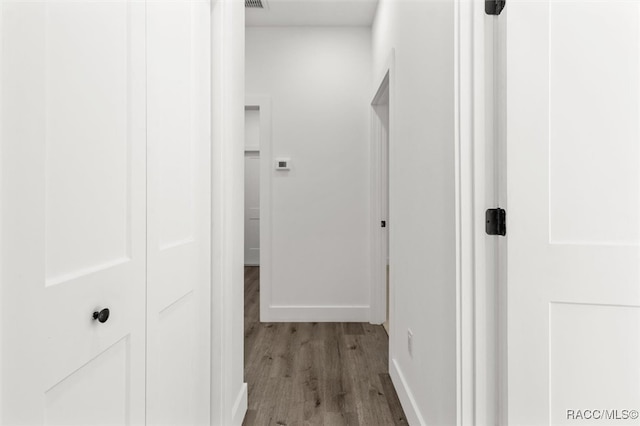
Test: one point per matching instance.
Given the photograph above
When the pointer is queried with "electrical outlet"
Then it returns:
(410, 342)
(283, 164)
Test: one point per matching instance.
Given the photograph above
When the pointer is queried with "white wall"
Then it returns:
(422, 202)
(252, 129)
(318, 79)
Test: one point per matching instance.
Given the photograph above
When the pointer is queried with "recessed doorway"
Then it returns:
(380, 122)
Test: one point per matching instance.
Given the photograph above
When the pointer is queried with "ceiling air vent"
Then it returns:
(255, 4)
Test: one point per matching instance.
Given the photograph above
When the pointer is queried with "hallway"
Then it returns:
(315, 373)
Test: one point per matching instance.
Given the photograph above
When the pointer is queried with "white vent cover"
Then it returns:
(255, 4)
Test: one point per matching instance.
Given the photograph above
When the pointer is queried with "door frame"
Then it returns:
(1, 221)
(229, 396)
(480, 285)
(378, 302)
(263, 104)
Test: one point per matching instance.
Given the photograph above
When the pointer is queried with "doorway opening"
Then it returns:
(380, 122)
(257, 198)
(252, 187)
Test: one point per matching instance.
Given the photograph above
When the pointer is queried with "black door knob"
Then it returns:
(101, 316)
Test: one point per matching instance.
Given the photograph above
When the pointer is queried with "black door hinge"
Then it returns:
(494, 7)
(496, 222)
(383, 224)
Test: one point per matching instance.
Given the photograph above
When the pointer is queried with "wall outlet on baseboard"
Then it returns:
(410, 342)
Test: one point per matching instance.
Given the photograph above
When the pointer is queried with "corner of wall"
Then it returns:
(423, 269)
(240, 406)
(408, 402)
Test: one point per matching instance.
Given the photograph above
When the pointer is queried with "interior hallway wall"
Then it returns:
(422, 203)
(319, 81)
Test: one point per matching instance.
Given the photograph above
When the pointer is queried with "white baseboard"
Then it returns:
(316, 314)
(407, 400)
(240, 406)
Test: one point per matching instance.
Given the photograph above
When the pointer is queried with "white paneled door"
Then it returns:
(105, 205)
(73, 212)
(178, 305)
(573, 178)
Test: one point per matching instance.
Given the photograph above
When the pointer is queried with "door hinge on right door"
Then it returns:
(494, 7)
(496, 222)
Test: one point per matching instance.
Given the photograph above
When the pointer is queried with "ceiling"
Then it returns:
(313, 12)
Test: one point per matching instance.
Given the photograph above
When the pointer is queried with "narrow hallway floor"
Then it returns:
(330, 374)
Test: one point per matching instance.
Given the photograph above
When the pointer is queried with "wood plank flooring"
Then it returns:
(329, 374)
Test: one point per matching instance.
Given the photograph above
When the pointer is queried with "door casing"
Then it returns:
(479, 257)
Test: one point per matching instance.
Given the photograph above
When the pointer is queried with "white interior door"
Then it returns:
(73, 212)
(252, 208)
(179, 254)
(573, 178)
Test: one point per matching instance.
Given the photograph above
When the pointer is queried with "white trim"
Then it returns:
(263, 103)
(227, 91)
(240, 406)
(476, 253)
(497, 258)
(2, 281)
(465, 327)
(408, 402)
(316, 314)
(378, 289)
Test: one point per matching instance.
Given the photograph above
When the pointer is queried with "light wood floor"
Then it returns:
(316, 373)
